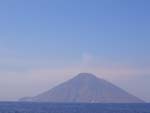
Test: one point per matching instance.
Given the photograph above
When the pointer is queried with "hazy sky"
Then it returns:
(44, 42)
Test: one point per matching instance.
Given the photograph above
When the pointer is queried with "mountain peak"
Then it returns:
(86, 75)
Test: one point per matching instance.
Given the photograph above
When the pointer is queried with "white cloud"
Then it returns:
(87, 59)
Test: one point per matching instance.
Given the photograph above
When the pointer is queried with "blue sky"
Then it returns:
(101, 35)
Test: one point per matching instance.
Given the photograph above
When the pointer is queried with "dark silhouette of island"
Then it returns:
(85, 88)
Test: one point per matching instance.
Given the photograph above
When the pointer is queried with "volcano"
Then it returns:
(85, 88)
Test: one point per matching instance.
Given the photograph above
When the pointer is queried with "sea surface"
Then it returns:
(19, 107)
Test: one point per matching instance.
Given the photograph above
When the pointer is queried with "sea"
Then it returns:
(26, 107)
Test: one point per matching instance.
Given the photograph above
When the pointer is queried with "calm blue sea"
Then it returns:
(18, 107)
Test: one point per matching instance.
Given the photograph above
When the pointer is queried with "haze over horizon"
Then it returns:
(44, 43)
